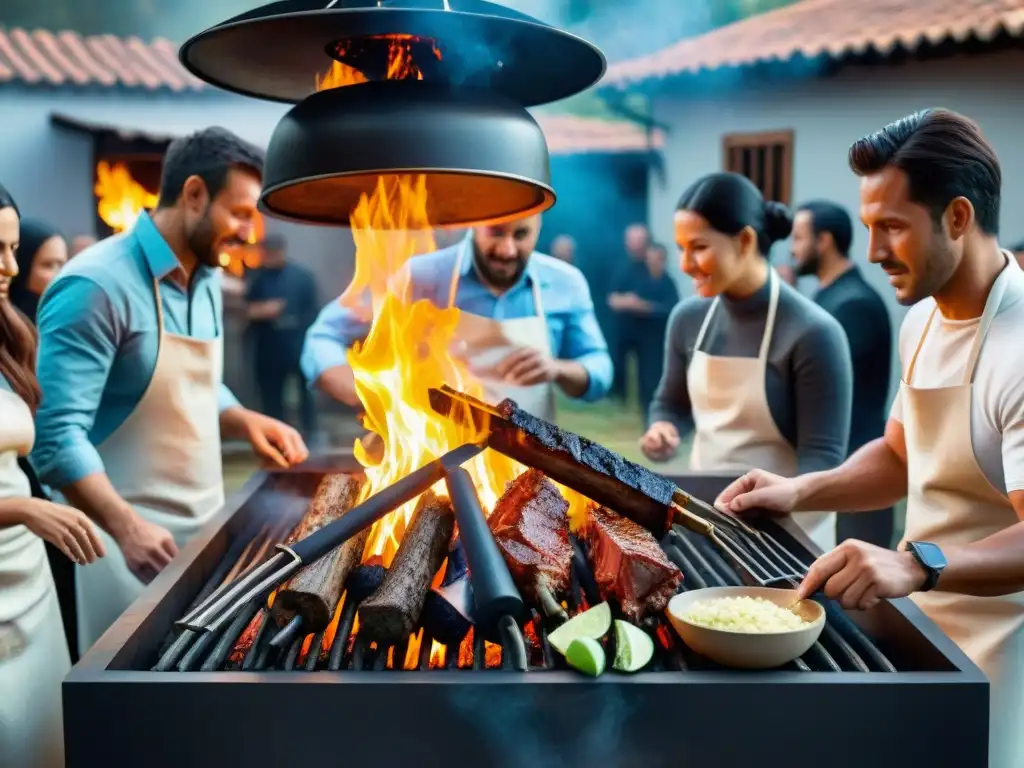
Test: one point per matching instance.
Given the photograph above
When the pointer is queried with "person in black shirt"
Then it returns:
(281, 304)
(624, 300)
(822, 234)
(658, 295)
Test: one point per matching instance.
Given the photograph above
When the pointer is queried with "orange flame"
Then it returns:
(401, 63)
(406, 352)
(236, 259)
(120, 198)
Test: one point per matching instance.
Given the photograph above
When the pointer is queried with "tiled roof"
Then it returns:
(41, 57)
(827, 28)
(568, 135)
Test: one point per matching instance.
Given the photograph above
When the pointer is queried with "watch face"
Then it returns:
(930, 554)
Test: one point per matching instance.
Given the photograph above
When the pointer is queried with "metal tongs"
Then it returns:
(607, 478)
(227, 600)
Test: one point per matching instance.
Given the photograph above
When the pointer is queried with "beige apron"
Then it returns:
(488, 341)
(951, 502)
(164, 460)
(734, 426)
(33, 651)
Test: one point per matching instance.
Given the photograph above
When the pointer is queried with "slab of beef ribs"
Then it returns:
(530, 522)
(628, 564)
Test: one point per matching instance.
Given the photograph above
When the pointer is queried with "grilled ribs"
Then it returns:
(628, 564)
(530, 522)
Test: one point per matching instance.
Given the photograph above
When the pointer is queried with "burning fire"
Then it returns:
(401, 63)
(406, 352)
(120, 198)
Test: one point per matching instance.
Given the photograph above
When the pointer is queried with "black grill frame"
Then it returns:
(119, 712)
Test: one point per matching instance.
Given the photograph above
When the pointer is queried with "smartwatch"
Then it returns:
(931, 559)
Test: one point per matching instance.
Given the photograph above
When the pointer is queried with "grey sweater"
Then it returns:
(809, 382)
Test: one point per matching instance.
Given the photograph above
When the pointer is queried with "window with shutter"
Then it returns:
(764, 158)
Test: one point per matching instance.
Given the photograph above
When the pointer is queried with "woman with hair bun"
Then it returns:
(760, 374)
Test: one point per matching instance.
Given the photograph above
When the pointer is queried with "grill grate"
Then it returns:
(843, 647)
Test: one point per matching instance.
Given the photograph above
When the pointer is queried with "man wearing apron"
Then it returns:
(954, 443)
(130, 363)
(526, 323)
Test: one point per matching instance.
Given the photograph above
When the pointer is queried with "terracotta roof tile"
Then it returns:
(831, 28)
(65, 59)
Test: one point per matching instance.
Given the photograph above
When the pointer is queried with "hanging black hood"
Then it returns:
(434, 87)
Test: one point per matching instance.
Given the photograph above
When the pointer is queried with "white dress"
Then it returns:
(33, 651)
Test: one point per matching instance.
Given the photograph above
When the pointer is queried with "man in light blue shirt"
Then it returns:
(130, 367)
(493, 274)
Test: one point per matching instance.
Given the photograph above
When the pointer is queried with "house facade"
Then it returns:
(782, 96)
(68, 103)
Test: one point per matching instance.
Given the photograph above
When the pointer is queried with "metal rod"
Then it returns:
(512, 644)
(228, 638)
(341, 636)
(313, 656)
(196, 620)
(287, 634)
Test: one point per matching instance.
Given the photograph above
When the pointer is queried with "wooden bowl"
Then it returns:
(746, 650)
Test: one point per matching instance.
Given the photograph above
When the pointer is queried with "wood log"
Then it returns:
(392, 612)
(315, 590)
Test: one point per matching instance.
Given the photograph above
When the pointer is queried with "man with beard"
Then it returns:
(526, 326)
(130, 364)
(822, 234)
(954, 444)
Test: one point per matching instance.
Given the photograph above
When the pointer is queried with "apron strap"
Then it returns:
(773, 308)
(217, 329)
(995, 298)
(159, 307)
(920, 343)
(704, 326)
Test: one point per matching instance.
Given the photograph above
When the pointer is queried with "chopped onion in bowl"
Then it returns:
(753, 615)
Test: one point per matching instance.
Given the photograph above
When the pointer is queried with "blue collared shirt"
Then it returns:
(565, 296)
(99, 339)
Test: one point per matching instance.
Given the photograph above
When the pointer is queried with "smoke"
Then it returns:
(520, 730)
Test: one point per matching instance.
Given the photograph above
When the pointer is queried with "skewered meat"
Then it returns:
(530, 522)
(628, 564)
(575, 462)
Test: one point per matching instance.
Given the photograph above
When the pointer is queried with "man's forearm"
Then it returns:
(875, 477)
(339, 383)
(232, 423)
(97, 498)
(573, 378)
(988, 568)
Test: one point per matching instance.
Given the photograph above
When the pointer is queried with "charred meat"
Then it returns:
(530, 522)
(628, 564)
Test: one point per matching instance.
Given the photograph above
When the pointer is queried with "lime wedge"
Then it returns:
(586, 655)
(633, 647)
(593, 623)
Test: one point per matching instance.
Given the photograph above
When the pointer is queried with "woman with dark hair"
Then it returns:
(33, 651)
(759, 373)
(41, 254)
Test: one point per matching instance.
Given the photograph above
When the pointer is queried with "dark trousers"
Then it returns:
(874, 527)
(650, 359)
(272, 376)
(63, 571)
(627, 343)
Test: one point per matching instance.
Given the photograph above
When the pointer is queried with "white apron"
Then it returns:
(33, 651)
(164, 460)
(734, 426)
(951, 502)
(488, 341)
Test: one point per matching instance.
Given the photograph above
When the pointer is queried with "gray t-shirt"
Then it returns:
(809, 381)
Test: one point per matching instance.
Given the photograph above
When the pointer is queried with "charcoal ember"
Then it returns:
(530, 522)
(628, 564)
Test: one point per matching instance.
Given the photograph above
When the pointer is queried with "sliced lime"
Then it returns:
(633, 647)
(593, 623)
(586, 655)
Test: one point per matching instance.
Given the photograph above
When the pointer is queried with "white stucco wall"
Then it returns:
(827, 115)
(830, 114)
